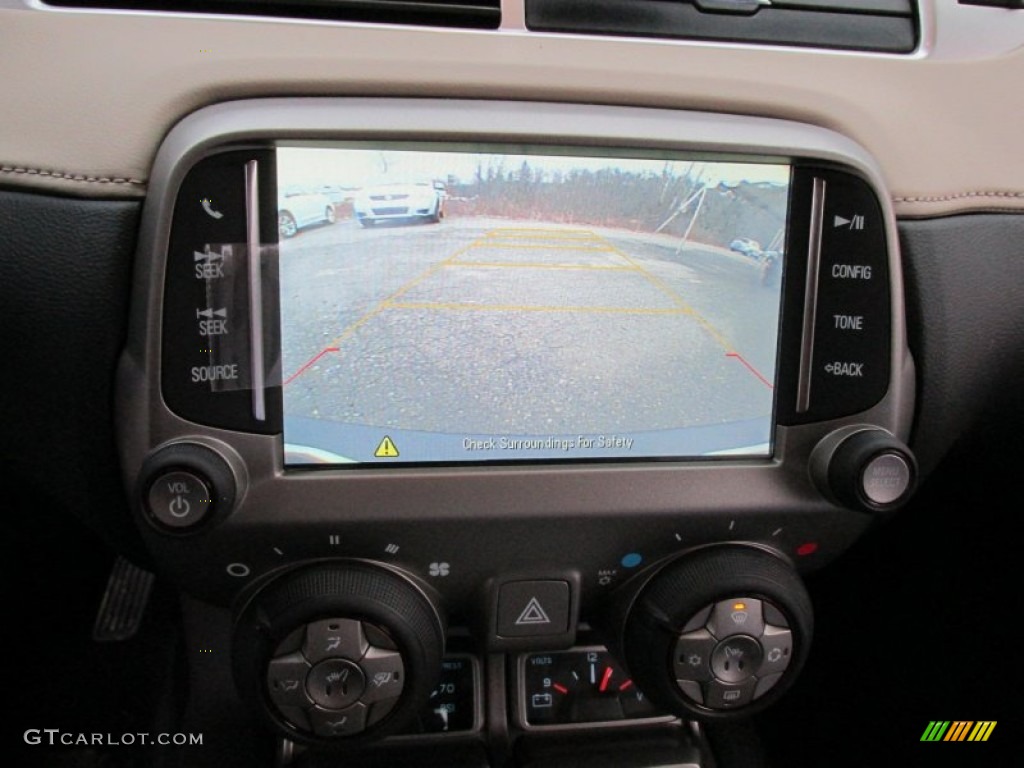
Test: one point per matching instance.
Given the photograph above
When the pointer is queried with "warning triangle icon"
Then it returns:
(386, 449)
(533, 613)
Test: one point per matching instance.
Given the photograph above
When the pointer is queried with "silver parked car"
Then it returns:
(746, 246)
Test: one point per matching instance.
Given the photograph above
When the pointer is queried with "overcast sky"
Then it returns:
(317, 166)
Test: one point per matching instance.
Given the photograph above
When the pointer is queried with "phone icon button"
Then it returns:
(208, 207)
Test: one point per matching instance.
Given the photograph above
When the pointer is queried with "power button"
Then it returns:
(179, 499)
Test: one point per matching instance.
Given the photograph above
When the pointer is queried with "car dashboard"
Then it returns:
(528, 383)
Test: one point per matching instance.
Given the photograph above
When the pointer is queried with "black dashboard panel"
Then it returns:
(370, 549)
(528, 496)
(200, 352)
(888, 26)
(519, 556)
(971, 258)
(65, 275)
(964, 276)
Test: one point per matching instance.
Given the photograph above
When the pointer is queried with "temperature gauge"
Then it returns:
(584, 685)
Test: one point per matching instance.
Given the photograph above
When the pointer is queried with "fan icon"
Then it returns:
(439, 569)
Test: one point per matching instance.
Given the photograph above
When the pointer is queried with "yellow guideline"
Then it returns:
(386, 449)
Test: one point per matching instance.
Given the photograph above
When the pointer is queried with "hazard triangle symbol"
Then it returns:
(386, 449)
(533, 613)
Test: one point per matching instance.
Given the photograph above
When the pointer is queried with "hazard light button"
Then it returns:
(533, 608)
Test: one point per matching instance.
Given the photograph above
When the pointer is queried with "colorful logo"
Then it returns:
(958, 730)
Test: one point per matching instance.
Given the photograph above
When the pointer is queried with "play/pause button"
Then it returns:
(533, 608)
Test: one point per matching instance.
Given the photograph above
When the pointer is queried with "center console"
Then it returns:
(489, 419)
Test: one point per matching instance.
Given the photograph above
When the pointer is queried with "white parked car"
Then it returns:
(399, 202)
(298, 208)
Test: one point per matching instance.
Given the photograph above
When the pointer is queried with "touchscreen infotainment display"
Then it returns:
(450, 304)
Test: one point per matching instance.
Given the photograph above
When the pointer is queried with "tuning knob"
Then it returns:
(720, 632)
(339, 653)
(864, 468)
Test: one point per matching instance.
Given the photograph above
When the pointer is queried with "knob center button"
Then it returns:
(886, 478)
(335, 683)
(179, 499)
(736, 659)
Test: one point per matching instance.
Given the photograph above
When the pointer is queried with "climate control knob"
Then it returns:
(720, 631)
(339, 653)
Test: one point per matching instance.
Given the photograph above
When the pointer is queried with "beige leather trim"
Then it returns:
(921, 207)
(87, 97)
(70, 180)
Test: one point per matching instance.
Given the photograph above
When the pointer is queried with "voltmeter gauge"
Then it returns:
(583, 685)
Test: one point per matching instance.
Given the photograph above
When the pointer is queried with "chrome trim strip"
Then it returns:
(803, 387)
(252, 228)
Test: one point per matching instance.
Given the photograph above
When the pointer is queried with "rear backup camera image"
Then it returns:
(450, 304)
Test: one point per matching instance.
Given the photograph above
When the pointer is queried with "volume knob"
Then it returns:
(184, 487)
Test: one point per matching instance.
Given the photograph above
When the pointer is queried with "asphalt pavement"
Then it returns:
(474, 328)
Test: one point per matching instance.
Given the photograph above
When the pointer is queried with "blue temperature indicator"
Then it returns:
(632, 560)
